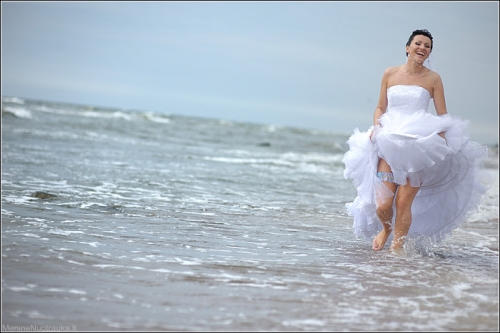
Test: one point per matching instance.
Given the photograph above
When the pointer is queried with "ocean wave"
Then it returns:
(17, 111)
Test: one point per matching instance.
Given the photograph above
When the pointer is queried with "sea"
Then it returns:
(130, 220)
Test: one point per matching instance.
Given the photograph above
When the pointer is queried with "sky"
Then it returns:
(308, 64)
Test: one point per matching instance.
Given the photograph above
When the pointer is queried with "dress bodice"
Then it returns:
(407, 98)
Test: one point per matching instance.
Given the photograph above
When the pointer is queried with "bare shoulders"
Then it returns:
(434, 76)
(391, 70)
(399, 69)
(388, 74)
(396, 75)
(432, 79)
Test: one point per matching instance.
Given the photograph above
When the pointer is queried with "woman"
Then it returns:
(416, 174)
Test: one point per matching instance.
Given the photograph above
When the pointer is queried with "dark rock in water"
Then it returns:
(264, 144)
(43, 195)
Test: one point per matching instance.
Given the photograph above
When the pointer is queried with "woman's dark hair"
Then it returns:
(419, 32)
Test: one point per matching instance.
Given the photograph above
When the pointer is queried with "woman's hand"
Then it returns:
(373, 129)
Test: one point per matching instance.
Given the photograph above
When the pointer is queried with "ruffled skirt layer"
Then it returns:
(449, 172)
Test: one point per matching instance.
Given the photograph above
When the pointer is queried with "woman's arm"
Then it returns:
(382, 99)
(438, 96)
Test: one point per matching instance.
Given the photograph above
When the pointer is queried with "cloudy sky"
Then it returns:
(305, 64)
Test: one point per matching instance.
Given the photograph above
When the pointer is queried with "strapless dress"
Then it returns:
(449, 171)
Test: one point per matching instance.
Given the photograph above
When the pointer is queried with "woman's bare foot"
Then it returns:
(398, 251)
(381, 239)
(397, 245)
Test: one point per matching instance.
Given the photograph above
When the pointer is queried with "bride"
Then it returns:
(416, 174)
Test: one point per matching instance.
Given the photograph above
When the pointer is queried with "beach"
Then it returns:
(133, 220)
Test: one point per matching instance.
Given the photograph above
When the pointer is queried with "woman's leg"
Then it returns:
(404, 199)
(384, 207)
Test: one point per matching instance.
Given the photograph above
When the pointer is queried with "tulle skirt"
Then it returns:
(448, 171)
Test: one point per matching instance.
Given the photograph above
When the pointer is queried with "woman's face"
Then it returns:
(420, 48)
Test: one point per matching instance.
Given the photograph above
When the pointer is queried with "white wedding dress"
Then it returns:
(449, 172)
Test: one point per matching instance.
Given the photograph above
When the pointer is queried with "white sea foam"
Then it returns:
(64, 290)
(16, 100)
(18, 112)
(304, 322)
(157, 119)
(64, 232)
(31, 235)
(6, 212)
(17, 289)
(107, 266)
(84, 113)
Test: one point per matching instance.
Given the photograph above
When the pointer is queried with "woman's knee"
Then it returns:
(405, 197)
(384, 212)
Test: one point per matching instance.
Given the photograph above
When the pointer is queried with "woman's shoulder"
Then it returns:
(391, 70)
(389, 73)
(433, 77)
(434, 74)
